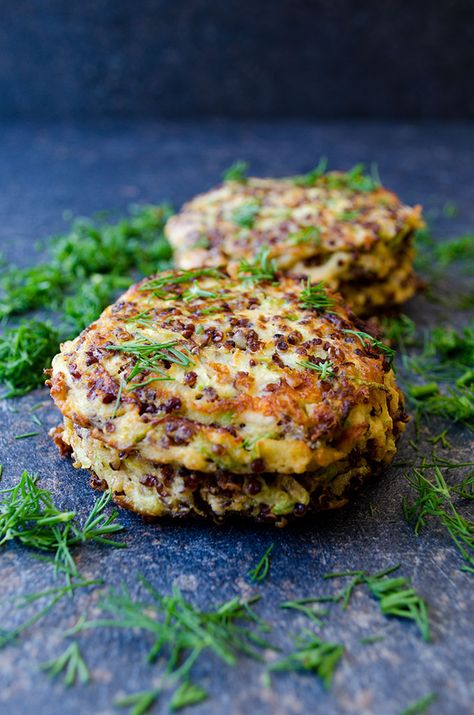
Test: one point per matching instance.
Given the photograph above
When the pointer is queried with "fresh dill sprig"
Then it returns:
(434, 501)
(181, 632)
(236, 172)
(398, 598)
(25, 352)
(312, 176)
(245, 214)
(57, 594)
(150, 355)
(325, 368)
(421, 705)
(262, 268)
(366, 338)
(396, 595)
(304, 605)
(71, 663)
(261, 570)
(187, 694)
(355, 179)
(316, 297)
(314, 655)
(196, 292)
(160, 282)
(29, 515)
(139, 703)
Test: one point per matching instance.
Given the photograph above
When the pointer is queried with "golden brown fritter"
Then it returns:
(198, 393)
(343, 229)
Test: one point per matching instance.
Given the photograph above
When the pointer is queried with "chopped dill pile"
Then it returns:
(29, 516)
(314, 655)
(71, 664)
(262, 268)
(262, 569)
(236, 172)
(315, 296)
(88, 268)
(25, 352)
(445, 365)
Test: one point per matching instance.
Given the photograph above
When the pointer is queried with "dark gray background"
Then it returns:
(237, 58)
(46, 169)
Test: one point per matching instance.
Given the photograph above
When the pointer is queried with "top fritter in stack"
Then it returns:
(341, 228)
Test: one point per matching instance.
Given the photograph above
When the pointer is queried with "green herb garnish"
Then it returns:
(71, 663)
(325, 368)
(29, 515)
(355, 179)
(25, 352)
(181, 632)
(308, 234)
(89, 266)
(366, 338)
(303, 605)
(149, 355)
(261, 570)
(187, 694)
(314, 655)
(421, 705)
(262, 268)
(139, 703)
(315, 296)
(178, 277)
(396, 596)
(236, 172)
(245, 214)
(57, 594)
(312, 176)
(434, 502)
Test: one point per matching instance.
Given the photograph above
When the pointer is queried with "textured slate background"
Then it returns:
(161, 58)
(46, 169)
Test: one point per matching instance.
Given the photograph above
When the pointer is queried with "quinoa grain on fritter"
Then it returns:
(196, 393)
(341, 228)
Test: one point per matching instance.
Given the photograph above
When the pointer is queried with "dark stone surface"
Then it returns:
(318, 58)
(47, 169)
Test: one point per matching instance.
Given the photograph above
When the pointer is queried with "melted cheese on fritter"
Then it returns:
(338, 235)
(228, 388)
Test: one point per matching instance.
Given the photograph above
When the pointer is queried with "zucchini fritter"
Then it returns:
(196, 393)
(341, 228)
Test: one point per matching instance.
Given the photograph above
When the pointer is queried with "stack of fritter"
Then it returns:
(258, 395)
